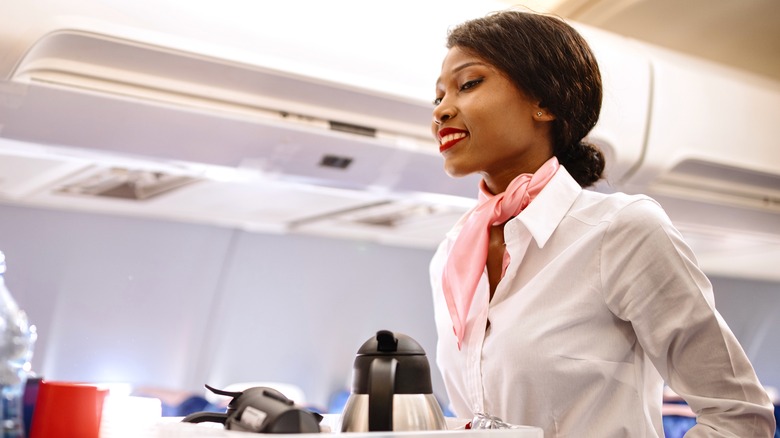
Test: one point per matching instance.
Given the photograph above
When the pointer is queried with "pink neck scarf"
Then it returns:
(468, 256)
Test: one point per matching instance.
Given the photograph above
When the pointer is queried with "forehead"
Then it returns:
(458, 58)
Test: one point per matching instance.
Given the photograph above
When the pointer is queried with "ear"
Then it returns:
(542, 114)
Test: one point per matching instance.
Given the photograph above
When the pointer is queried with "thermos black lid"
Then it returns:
(412, 373)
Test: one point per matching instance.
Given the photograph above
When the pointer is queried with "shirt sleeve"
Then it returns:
(651, 279)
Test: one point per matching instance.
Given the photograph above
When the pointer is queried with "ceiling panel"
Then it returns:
(744, 34)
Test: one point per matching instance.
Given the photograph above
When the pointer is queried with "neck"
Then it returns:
(497, 182)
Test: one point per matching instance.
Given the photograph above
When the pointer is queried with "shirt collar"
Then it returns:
(550, 206)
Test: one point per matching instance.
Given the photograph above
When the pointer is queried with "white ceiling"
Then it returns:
(740, 33)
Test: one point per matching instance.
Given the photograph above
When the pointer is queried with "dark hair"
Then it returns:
(549, 61)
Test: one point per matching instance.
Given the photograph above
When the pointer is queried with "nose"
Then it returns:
(442, 113)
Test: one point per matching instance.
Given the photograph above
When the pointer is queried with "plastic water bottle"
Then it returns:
(17, 338)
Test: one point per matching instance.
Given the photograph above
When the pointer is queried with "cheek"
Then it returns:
(486, 119)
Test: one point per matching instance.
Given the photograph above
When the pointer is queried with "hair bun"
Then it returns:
(585, 162)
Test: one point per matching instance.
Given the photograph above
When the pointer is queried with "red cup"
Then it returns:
(67, 410)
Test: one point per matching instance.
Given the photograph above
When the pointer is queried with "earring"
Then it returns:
(538, 114)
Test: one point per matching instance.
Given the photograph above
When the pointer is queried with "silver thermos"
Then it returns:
(391, 388)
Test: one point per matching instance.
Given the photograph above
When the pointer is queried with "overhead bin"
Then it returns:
(88, 61)
(713, 134)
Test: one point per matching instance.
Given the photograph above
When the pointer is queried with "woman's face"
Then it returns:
(485, 124)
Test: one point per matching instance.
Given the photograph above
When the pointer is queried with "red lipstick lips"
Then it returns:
(448, 137)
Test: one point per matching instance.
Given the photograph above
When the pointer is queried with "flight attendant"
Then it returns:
(556, 306)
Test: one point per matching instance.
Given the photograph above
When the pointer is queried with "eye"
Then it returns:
(437, 101)
(471, 84)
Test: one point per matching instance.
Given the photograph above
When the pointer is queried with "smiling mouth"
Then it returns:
(450, 140)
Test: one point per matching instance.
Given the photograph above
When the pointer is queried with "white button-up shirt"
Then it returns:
(602, 302)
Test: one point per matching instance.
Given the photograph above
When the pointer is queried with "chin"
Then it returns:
(454, 172)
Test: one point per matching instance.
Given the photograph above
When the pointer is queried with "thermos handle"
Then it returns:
(381, 388)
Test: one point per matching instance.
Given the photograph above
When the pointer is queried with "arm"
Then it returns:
(650, 278)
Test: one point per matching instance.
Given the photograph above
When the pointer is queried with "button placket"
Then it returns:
(517, 239)
(475, 360)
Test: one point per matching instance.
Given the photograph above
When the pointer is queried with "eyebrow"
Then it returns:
(468, 64)
(464, 66)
